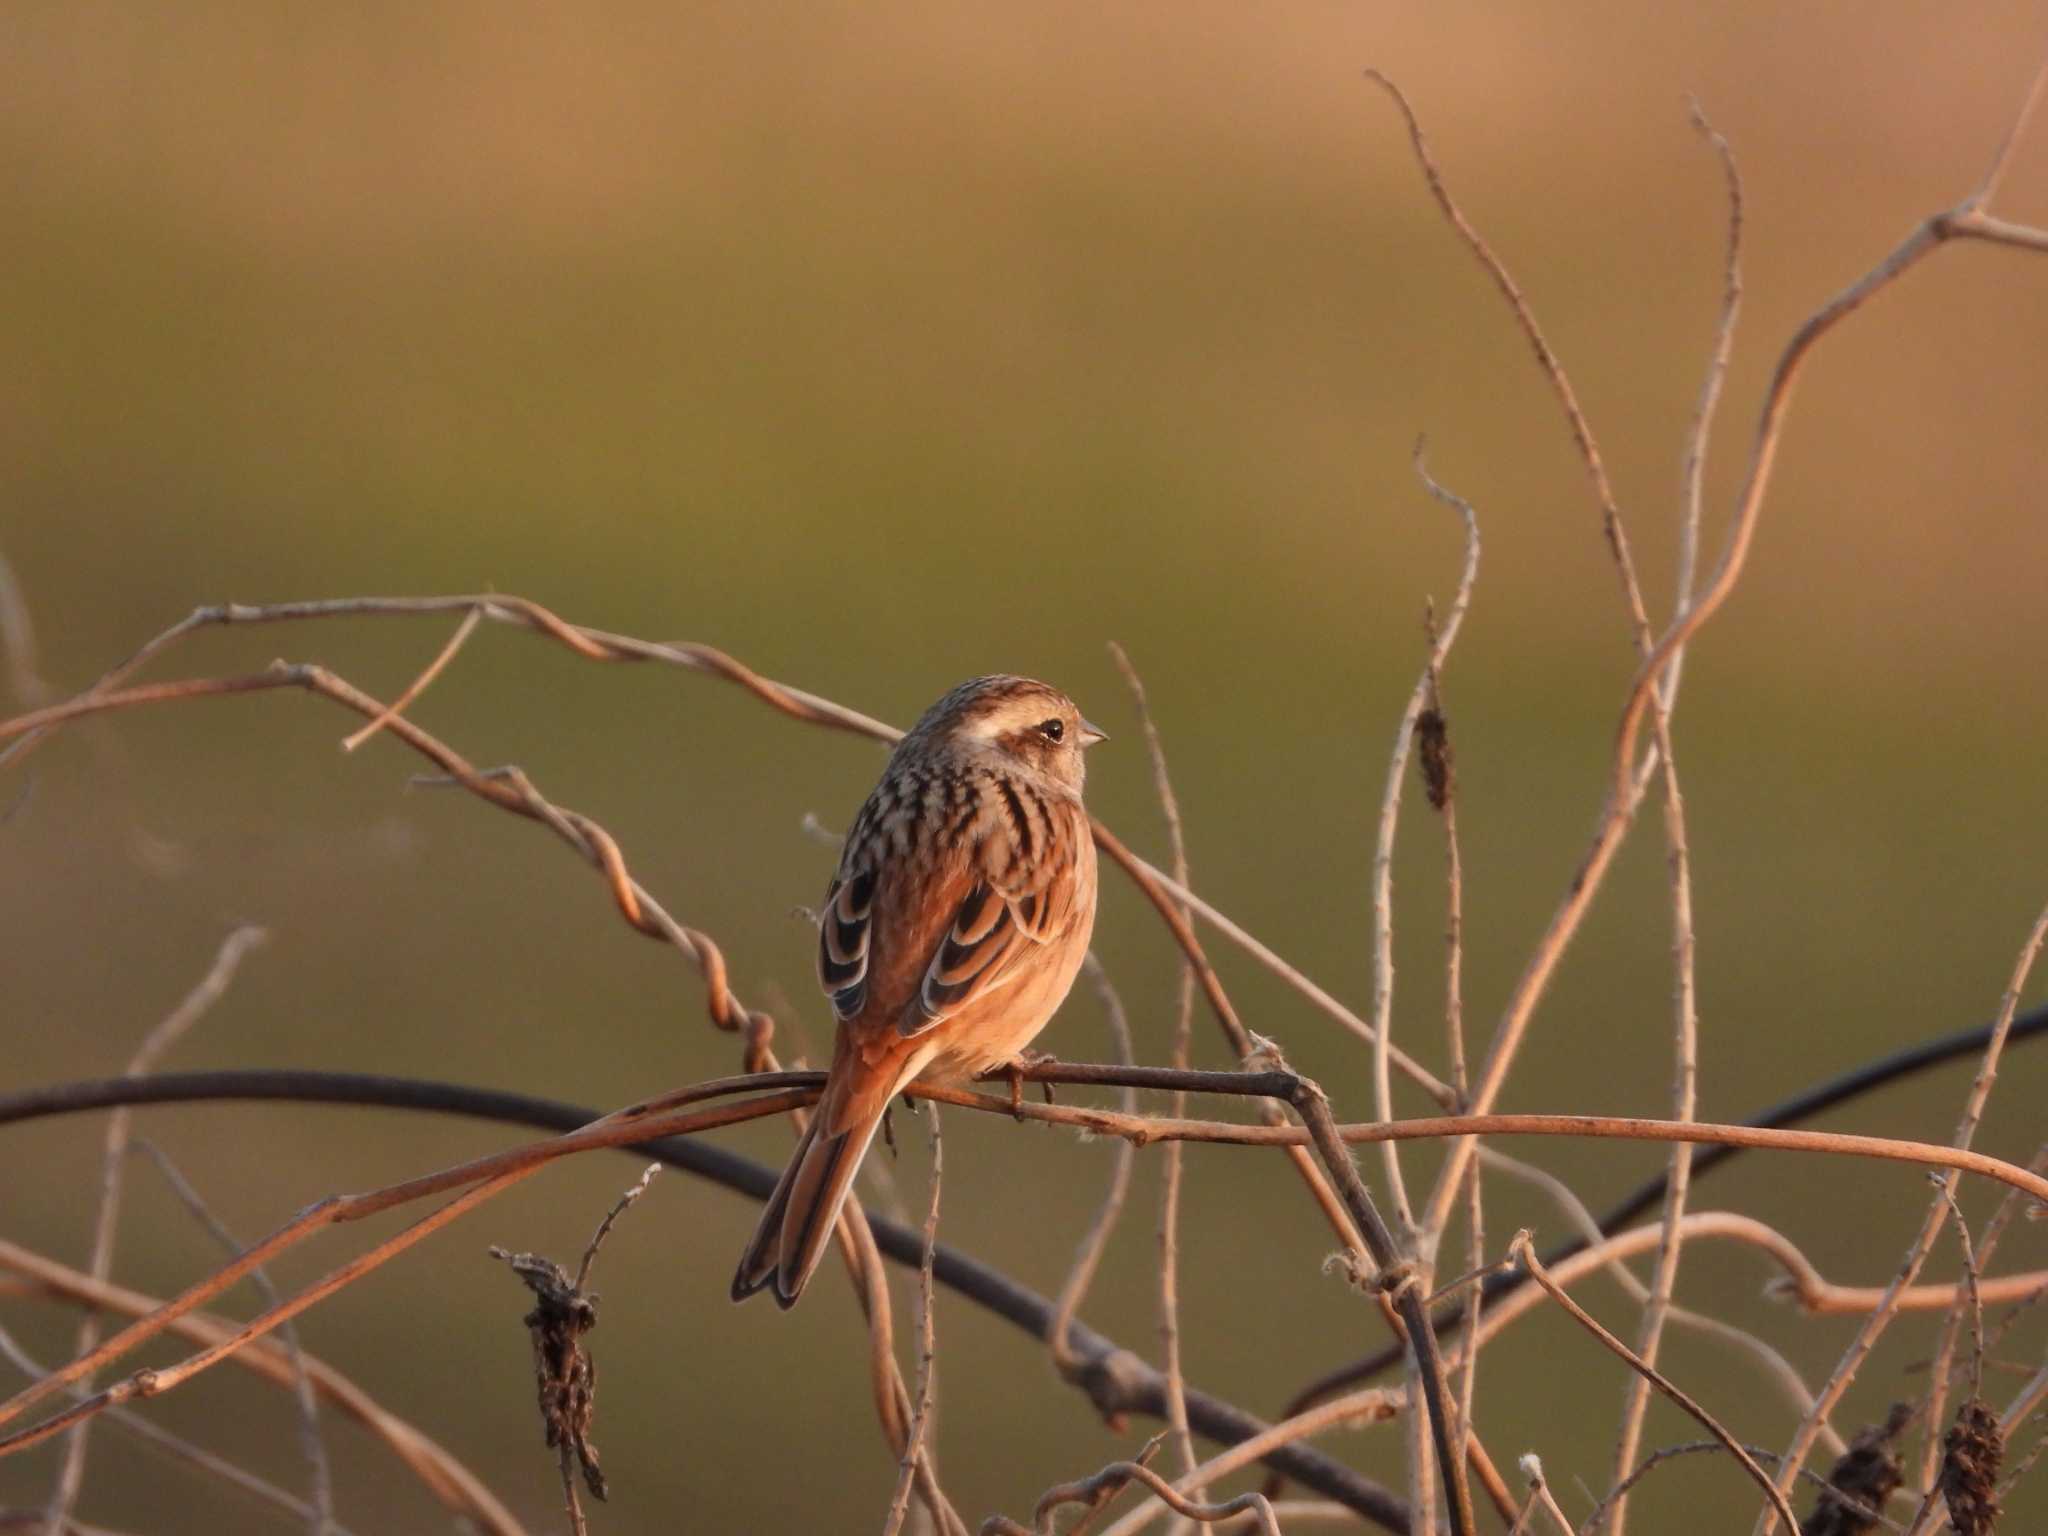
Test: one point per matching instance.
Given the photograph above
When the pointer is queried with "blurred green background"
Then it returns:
(885, 345)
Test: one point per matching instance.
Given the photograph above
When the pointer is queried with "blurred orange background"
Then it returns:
(883, 346)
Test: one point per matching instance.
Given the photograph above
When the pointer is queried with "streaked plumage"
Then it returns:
(952, 930)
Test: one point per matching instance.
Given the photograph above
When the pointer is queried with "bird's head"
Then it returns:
(1018, 718)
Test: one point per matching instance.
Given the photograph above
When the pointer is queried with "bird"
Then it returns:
(950, 933)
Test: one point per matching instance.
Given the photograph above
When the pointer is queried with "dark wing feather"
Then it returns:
(999, 920)
(970, 960)
(843, 931)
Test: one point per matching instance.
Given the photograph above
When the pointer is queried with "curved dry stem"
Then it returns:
(420, 684)
(1527, 1252)
(1369, 1406)
(1800, 1282)
(1383, 849)
(1094, 1492)
(1685, 999)
(1088, 1258)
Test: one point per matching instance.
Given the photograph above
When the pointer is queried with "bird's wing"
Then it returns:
(1011, 905)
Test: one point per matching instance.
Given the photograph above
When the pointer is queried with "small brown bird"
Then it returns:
(953, 929)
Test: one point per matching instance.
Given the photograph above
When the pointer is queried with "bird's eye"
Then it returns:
(1053, 729)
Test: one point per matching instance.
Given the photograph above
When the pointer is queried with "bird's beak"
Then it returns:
(1091, 733)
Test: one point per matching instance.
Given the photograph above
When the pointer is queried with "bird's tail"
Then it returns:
(801, 1214)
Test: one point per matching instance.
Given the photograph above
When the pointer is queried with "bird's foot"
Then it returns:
(1015, 1072)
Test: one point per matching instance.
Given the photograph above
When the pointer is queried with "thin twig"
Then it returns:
(1383, 846)
(1934, 1415)
(1446, 794)
(1172, 1170)
(1540, 1497)
(420, 684)
(113, 1166)
(604, 1227)
(1972, 1284)
(928, 1346)
(1693, 472)
(320, 1475)
(1684, 999)
(1088, 1256)
(1527, 1252)
(1972, 1303)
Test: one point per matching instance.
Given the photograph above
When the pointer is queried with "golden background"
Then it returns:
(886, 345)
